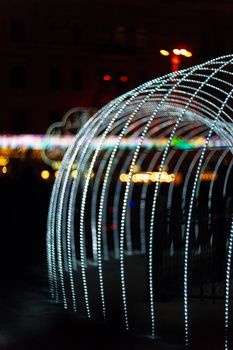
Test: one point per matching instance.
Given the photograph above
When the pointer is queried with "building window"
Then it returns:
(55, 79)
(18, 31)
(19, 122)
(18, 77)
(77, 80)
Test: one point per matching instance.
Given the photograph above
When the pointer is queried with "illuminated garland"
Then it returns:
(180, 111)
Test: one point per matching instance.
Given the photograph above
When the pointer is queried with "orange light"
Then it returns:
(175, 60)
(188, 54)
(107, 77)
(176, 52)
(178, 178)
(3, 161)
(208, 176)
(164, 52)
(124, 78)
(148, 177)
(183, 52)
(45, 174)
(4, 170)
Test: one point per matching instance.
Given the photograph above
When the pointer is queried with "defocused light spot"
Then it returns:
(45, 174)
(107, 77)
(183, 52)
(124, 78)
(188, 54)
(178, 178)
(56, 165)
(208, 176)
(164, 52)
(176, 52)
(86, 174)
(148, 177)
(3, 161)
(4, 170)
(132, 204)
(74, 174)
(136, 168)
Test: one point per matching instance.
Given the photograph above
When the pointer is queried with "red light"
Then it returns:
(113, 226)
(107, 77)
(124, 78)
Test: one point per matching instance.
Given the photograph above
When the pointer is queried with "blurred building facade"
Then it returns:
(56, 55)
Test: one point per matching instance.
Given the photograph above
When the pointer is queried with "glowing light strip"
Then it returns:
(154, 203)
(151, 236)
(123, 217)
(70, 233)
(83, 204)
(117, 205)
(42, 142)
(99, 225)
(204, 167)
(117, 119)
(188, 224)
(38, 142)
(163, 128)
(82, 236)
(152, 304)
(146, 177)
(152, 166)
(84, 200)
(227, 177)
(227, 285)
(51, 256)
(118, 141)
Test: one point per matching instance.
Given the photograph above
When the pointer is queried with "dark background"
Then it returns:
(54, 54)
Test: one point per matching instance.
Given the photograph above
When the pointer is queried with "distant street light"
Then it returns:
(164, 52)
(175, 57)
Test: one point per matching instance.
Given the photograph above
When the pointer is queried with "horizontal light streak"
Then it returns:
(43, 142)
(145, 177)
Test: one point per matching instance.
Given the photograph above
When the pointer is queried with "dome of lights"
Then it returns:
(152, 169)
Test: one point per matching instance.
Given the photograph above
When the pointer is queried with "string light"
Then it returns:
(117, 141)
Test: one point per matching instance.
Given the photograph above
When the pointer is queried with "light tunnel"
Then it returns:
(150, 185)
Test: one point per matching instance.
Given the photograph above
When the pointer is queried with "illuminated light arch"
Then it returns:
(196, 102)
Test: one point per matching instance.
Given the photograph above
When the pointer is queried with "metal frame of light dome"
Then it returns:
(165, 106)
